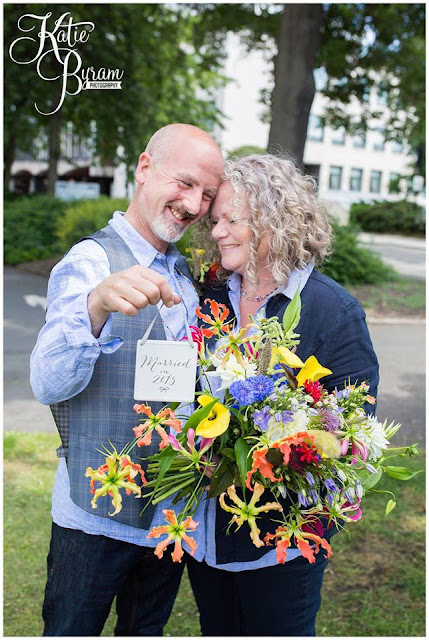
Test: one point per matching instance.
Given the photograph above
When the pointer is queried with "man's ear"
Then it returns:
(145, 162)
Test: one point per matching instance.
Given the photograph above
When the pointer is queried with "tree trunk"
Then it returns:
(9, 157)
(54, 150)
(293, 94)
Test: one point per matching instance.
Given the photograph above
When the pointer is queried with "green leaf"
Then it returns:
(228, 452)
(198, 415)
(244, 461)
(174, 405)
(164, 465)
(370, 480)
(293, 313)
(222, 478)
(401, 473)
(390, 506)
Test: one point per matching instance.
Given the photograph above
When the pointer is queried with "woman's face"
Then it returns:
(230, 217)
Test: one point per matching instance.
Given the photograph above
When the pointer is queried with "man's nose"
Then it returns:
(193, 202)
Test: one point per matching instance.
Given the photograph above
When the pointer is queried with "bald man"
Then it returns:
(101, 298)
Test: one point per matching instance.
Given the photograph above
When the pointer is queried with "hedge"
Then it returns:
(41, 227)
(30, 228)
(350, 264)
(402, 217)
(83, 217)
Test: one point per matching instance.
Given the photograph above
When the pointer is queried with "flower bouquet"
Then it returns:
(264, 424)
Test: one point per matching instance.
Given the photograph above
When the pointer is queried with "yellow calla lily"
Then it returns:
(312, 370)
(216, 422)
(282, 354)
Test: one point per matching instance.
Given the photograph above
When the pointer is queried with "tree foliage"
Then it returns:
(166, 78)
(362, 46)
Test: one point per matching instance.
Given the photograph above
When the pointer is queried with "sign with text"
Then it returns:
(165, 371)
(69, 190)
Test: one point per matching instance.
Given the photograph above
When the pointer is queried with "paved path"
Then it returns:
(406, 255)
(400, 350)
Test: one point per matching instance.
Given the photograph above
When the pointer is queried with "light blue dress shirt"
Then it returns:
(63, 359)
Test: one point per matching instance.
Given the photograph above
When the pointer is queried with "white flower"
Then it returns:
(278, 430)
(233, 370)
(371, 433)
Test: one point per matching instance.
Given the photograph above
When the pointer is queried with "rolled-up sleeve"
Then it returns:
(62, 362)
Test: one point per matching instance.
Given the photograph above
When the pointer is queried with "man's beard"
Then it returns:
(169, 231)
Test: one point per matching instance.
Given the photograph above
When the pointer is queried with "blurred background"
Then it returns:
(341, 88)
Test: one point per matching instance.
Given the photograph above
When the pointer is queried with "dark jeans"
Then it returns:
(282, 600)
(86, 572)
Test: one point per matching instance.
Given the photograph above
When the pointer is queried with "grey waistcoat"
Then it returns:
(103, 412)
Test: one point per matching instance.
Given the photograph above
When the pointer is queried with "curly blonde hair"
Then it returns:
(284, 209)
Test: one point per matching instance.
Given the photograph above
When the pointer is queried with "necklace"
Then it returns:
(244, 294)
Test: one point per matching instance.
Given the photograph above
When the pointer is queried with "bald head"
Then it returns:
(173, 133)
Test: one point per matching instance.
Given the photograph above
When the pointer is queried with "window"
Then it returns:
(335, 175)
(356, 179)
(375, 182)
(382, 98)
(339, 136)
(378, 140)
(315, 129)
(359, 141)
(397, 146)
(394, 183)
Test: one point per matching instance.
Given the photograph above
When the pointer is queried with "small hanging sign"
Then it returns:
(165, 371)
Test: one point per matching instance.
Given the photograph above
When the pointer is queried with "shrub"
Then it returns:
(83, 217)
(350, 264)
(30, 228)
(389, 217)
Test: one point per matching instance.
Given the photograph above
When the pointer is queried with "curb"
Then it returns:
(395, 320)
(398, 241)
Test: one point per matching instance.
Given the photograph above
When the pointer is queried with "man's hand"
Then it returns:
(128, 291)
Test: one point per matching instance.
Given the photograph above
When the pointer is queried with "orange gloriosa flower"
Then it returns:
(283, 537)
(261, 464)
(177, 533)
(220, 313)
(163, 417)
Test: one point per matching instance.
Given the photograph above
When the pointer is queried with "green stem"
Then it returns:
(172, 490)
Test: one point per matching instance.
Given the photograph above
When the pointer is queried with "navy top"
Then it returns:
(333, 329)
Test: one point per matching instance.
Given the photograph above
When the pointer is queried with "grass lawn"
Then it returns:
(374, 585)
(400, 297)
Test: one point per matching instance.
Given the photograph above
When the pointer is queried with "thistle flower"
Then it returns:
(329, 421)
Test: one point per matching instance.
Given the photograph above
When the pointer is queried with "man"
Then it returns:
(101, 298)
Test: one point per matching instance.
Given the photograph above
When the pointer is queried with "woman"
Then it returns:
(271, 233)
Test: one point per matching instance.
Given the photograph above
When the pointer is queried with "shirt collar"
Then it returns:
(297, 278)
(141, 249)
